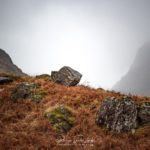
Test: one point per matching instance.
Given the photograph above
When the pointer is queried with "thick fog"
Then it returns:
(99, 38)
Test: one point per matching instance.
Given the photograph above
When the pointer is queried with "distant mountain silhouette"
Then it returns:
(137, 80)
(7, 66)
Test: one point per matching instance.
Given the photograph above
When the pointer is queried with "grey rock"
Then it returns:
(66, 76)
(23, 90)
(144, 113)
(118, 115)
(4, 80)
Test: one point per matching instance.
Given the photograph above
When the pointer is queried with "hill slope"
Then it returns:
(7, 66)
(23, 126)
(137, 80)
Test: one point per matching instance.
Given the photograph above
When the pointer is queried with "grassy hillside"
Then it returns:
(24, 127)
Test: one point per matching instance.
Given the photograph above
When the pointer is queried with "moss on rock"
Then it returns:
(46, 77)
(61, 118)
(23, 91)
(28, 90)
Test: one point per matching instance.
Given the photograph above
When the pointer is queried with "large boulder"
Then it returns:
(4, 80)
(144, 113)
(117, 115)
(66, 76)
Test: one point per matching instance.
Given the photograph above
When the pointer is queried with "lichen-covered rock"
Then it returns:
(4, 80)
(66, 76)
(28, 90)
(117, 115)
(144, 113)
(61, 118)
(23, 90)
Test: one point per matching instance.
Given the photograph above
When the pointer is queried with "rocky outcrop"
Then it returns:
(7, 66)
(66, 76)
(117, 115)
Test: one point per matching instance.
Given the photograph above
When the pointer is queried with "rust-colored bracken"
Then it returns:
(24, 127)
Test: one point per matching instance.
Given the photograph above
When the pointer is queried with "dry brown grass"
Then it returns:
(23, 126)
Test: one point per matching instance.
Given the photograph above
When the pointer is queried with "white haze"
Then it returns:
(99, 38)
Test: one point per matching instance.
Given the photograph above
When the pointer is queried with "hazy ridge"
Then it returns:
(137, 80)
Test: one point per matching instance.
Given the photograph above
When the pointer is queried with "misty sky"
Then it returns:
(99, 38)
